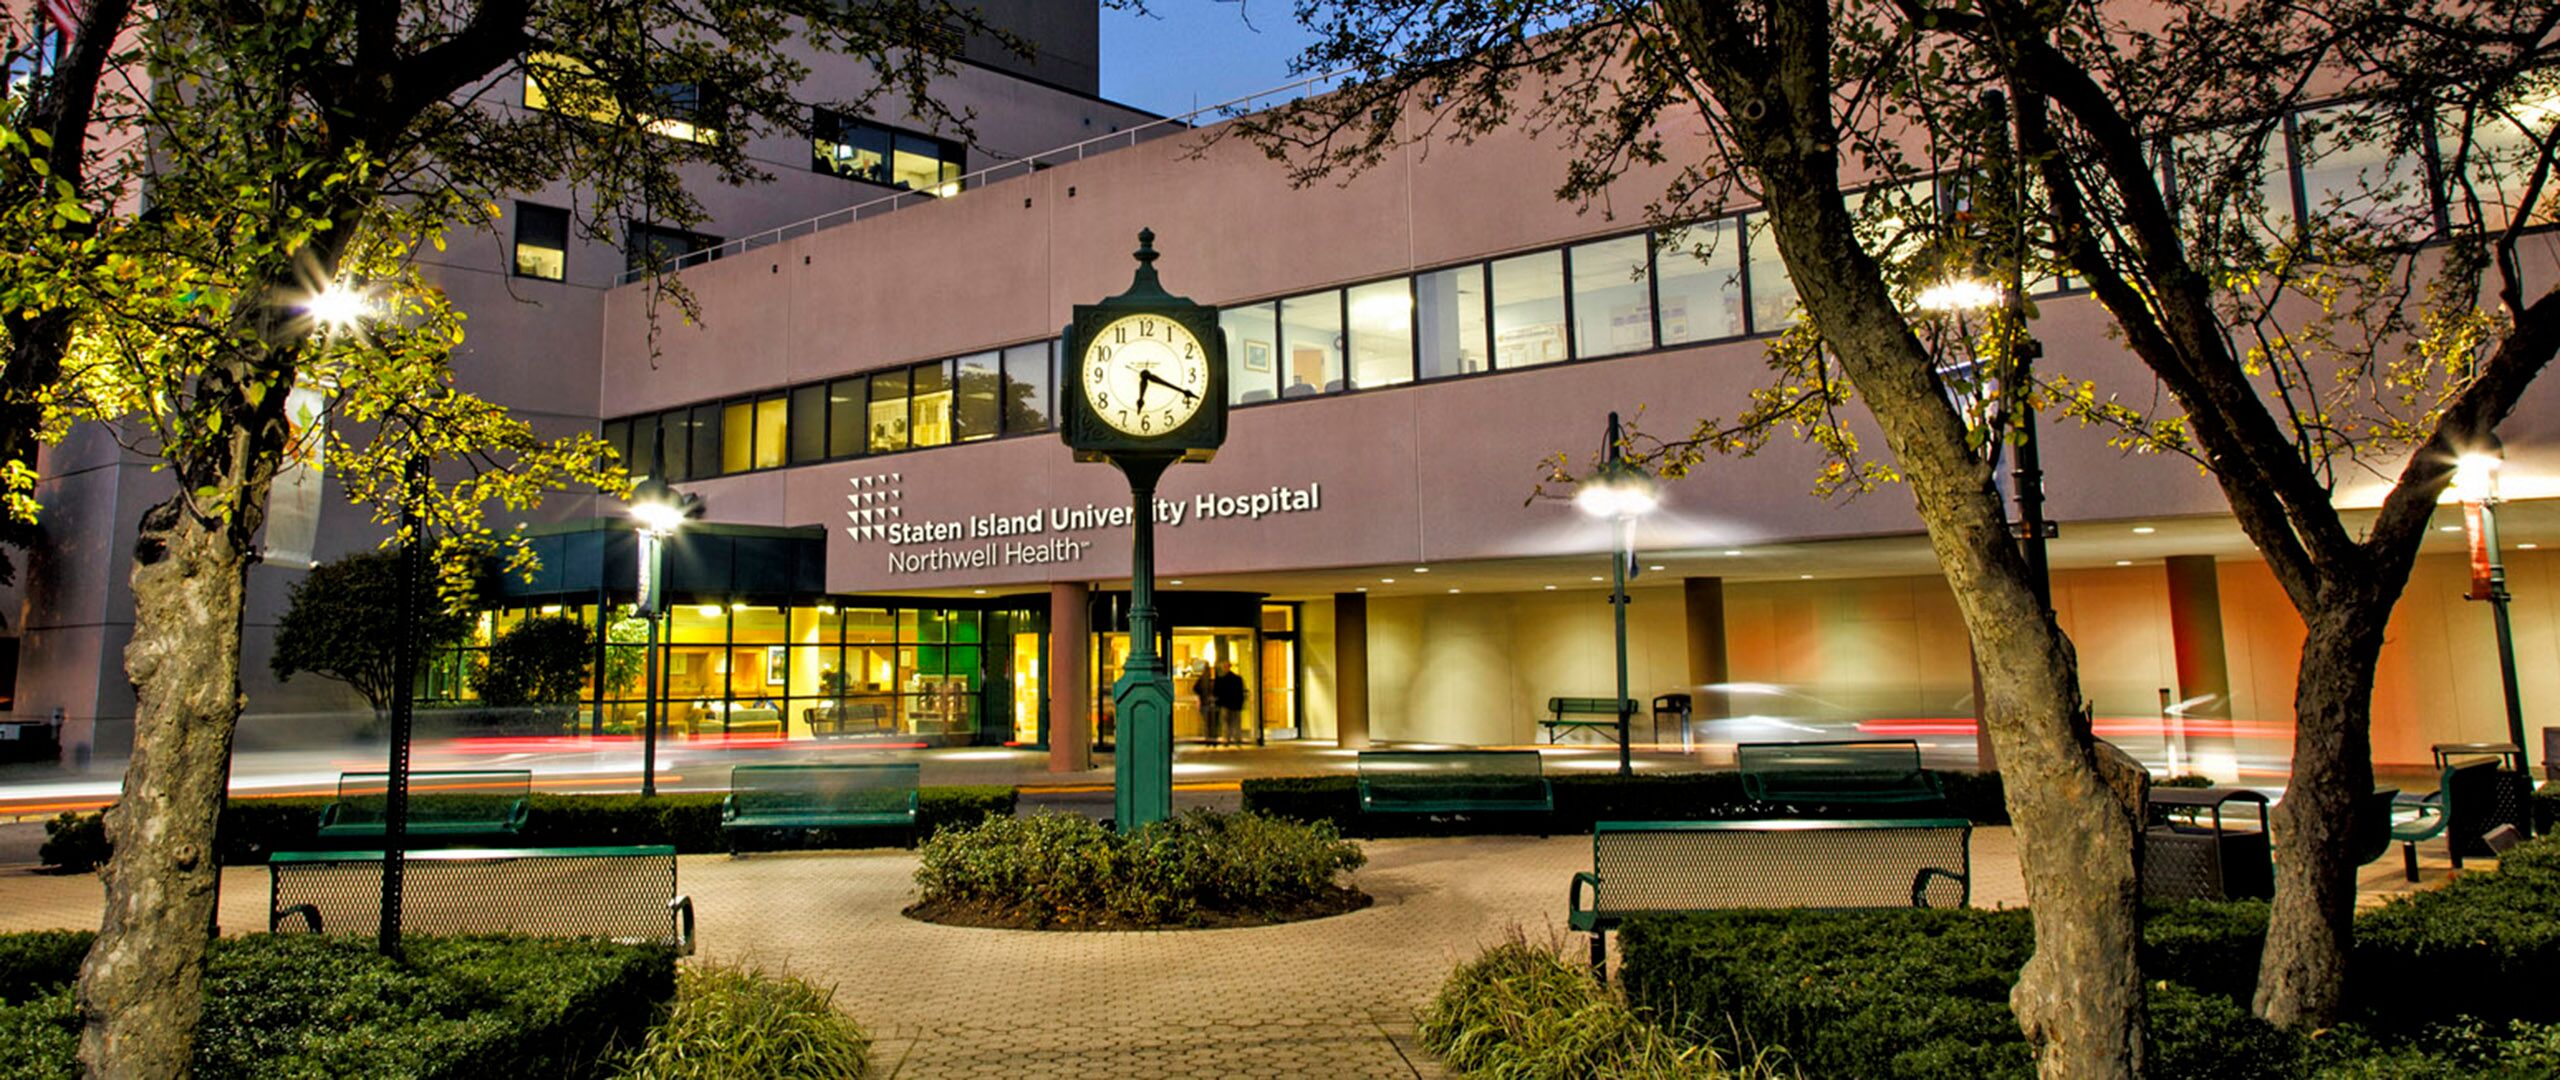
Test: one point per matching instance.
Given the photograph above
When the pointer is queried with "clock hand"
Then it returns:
(1145, 377)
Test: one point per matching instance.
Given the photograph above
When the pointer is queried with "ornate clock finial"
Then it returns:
(1146, 247)
(1145, 281)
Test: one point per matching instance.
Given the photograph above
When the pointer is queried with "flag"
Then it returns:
(66, 15)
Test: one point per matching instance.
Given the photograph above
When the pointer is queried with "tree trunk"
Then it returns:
(2302, 974)
(140, 988)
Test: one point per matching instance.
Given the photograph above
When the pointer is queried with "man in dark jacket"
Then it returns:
(1229, 692)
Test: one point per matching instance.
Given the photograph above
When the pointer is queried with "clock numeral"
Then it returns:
(1120, 335)
(1147, 424)
(1101, 400)
(1191, 351)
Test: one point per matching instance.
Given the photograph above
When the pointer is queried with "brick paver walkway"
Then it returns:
(1333, 997)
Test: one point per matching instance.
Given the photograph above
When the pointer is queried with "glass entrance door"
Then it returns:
(1190, 653)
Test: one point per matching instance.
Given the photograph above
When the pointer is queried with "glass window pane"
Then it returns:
(677, 426)
(617, 434)
(1773, 293)
(976, 413)
(542, 242)
(1311, 336)
(847, 417)
(1701, 283)
(772, 431)
(2500, 155)
(933, 404)
(889, 411)
(2353, 168)
(737, 443)
(644, 444)
(1612, 298)
(1382, 333)
(1452, 321)
(925, 164)
(808, 424)
(1026, 387)
(2224, 186)
(1253, 341)
(1528, 310)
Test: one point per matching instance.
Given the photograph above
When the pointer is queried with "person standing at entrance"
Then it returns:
(1228, 690)
(1204, 692)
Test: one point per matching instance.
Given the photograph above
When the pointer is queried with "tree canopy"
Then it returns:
(342, 623)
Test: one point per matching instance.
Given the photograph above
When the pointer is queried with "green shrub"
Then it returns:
(541, 661)
(307, 1006)
(1522, 1011)
(2466, 1051)
(732, 1023)
(1580, 800)
(1066, 871)
(75, 843)
(2471, 948)
(39, 963)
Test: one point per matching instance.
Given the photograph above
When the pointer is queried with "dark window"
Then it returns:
(644, 442)
(808, 424)
(617, 434)
(976, 414)
(650, 246)
(1026, 387)
(542, 242)
(847, 422)
(677, 424)
(707, 445)
(861, 150)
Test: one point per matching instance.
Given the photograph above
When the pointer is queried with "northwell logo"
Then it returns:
(875, 505)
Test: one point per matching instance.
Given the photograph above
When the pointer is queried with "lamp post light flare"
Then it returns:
(338, 307)
(1619, 493)
(2475, 483)
(1961, 294)
(658, 510)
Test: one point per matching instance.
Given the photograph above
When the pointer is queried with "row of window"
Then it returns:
(957, 399)
(1712, 281)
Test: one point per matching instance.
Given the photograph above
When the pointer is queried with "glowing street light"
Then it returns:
(338, 308)
(1620, 492)
(1959, 295)
(658, 509)
(2475, 483)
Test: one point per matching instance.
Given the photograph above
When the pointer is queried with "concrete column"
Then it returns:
(1702, 601)
(1070, 643)
(2195, 632)
(1351, 670)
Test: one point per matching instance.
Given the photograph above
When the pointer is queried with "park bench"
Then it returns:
(1854, 772)
(1454, 782)
(2463, 794)
(625, 894)
(1666, 867)
(445, 804)
(1568, 713)
(818, 796)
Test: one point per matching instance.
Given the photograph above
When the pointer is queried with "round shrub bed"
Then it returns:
(1202, 869)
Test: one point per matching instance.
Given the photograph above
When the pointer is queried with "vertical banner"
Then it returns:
(293, 502)
(2477, 535)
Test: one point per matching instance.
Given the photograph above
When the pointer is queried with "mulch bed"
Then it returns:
(953, 913)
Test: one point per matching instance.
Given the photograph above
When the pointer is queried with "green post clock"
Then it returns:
(1146, 386)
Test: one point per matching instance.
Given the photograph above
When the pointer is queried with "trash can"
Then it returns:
(2551, 753)
(2507, 800)
(2190, 852)
(1675, 708)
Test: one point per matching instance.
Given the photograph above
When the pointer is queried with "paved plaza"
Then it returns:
(1331, 997)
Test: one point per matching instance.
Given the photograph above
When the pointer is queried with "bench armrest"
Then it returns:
(1920, 884)
(310, 918)
(328, 815)
(1573, 897)
(681, 910)
(519, 813)
(728, 808)
(915, 801)
(2429, 823)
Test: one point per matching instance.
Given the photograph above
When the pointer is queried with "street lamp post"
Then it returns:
(2475, 482)
(658, 510)
(1620, 493)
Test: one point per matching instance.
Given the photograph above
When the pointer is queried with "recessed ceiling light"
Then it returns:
(2448, 528)
(1453, 590)
(1804, 577)
(1386, 581)
(1595, 577)
(2527, 547)
(1732, 552)
(1656, 566)
(1363, 588)
(1551, 588)
(983, 592)
(2124, 562)
(1422, 569)
(1176, 581)
(2144, 530)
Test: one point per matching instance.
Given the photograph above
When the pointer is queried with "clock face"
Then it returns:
(1145, 375)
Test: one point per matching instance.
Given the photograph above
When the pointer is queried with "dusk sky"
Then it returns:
(1195, 53)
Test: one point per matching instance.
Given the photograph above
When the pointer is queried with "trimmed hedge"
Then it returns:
(1580, 800)
(1053, 870)
(253, 828)
(1923, 995)
(302, 1006)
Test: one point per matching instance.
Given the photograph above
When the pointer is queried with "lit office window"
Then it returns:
(1612, 298)
(1528, 310)
(889, 411)
(1450, 314)
(2354, 167)
(848, 417)
(1026, 387)
(773, 427)
(978, 410)
(555, 82)
(738, 436)
(2500, 158)
(542, 242)
(709, 448)
(861, 150)
(1253, 346)
(1311, 342)
(808, 424)
(1894, 220)
(683, 111)
(1700, 281)
(648, 247)
(1773, 293)
(1382, 333)
(933, 404)
(2233, 190)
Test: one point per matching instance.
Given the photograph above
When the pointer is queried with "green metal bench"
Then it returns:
(1853, 772)
(1566, 713)
(2416, 818)
(445, 804)
(818, 796)
(625, 894)
(1668, 867)
(1454, 782)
